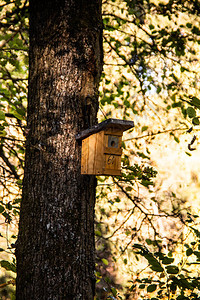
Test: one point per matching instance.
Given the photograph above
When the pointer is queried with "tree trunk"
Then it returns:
(55, 247)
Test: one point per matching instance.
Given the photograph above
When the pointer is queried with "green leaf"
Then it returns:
(189, 252)
(158, 89)
(132, 287)
(182, 297)
(18, 116)
(185, 284)
(107, 279)
(172, 269)
(196, 231)
(173, 97)
(195, 101)
(157, 268)
(151, 26)
(189, 25)
(128, 188)
(195, 30)
(167, 260)
(184, 69)
(154, 263)
(97, 233)
(9, 206)
(8, 266)
(1, 209)
(141, 286)
(149, 242)
(117, 199)
(195, 121)
(2, 115)
(197, 253)
(114, 292)
(144, 128)
(105, 261)
(141, 154)
(191, 112)
(151, 288)
(3, 133)
(128, 232)
(19, 181)
(176, 139)
(138, 246)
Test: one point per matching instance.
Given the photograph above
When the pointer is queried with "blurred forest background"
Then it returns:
(147, 221)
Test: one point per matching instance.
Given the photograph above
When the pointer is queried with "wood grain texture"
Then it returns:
(98, 166)
(85, 156)
(92, 154)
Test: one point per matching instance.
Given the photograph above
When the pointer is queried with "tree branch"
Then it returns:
(8, 163)
(154, 133)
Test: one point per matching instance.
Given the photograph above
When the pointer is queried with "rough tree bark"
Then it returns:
(55, 247)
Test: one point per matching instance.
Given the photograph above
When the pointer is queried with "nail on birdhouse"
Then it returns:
(102, 147)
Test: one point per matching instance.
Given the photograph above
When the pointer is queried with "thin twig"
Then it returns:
(156, 133)
(8, 163)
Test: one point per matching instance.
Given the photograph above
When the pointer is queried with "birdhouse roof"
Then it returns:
(121, 125)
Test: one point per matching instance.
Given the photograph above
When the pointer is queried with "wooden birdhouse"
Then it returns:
(102, 147)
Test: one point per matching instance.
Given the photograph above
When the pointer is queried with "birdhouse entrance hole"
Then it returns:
(113, 141)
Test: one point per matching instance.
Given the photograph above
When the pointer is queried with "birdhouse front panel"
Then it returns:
(112, 152)
(112, 164)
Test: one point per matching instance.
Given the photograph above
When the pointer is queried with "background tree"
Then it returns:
(55, 246)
